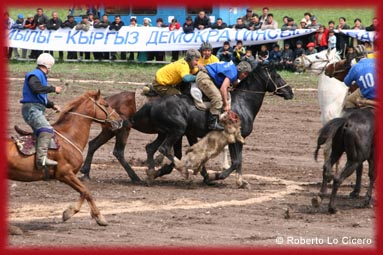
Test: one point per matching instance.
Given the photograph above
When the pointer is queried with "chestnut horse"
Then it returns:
(339, 69)
(72, 129)
(125, 105)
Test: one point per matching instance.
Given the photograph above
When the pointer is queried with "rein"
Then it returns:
(332, 74)
(264, 92)
(304, 58)
(93, 118)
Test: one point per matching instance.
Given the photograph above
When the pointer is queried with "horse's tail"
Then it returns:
(327, 132)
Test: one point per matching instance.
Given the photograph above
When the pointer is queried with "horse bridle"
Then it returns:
(332, 74)
(304, 57)
(108, 115)
(95, 103)
(267, 84)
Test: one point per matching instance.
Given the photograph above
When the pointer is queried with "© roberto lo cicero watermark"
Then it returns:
(300, 240)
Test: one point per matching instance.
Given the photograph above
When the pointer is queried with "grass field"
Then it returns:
(133, 71)
(324, 13)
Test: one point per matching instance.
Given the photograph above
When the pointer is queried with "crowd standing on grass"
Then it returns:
(283, 55)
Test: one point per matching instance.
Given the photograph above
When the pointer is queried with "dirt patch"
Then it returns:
(277, 161)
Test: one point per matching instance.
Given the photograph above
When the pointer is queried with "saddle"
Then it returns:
(363, 102)
(26, 142)
(201, 102)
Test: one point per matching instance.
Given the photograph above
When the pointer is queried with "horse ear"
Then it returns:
(98, 94)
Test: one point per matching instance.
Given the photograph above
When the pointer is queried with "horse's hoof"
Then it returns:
(13, 230)
(136, 180)
(244, 185)
(85, 178)
(101, 221)
(368, 203)
(149, 182)
(68, 213)
(332, 210)
(213, 176)
(354, 194)
(316, 201)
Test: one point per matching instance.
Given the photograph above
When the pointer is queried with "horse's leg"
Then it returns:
(171, 139)
(151, 149)
(326, 173)
(241, 183)
(346, 172)
(72, 180)
(236, 159)
(326, 156)
(119, 152)
(225, 161)
(167, 169)
(358, 182)
(97, 142)
(371, 175)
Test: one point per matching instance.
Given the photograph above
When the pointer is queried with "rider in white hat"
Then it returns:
(35, 101)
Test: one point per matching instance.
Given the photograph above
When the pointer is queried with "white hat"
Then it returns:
(46, 59)
(303, 20)
(148, 19)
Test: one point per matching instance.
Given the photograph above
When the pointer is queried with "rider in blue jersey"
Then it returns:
(214, 80)
(364, 75)
(35, 101)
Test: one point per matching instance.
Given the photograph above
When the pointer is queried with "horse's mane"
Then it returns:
(74, 104)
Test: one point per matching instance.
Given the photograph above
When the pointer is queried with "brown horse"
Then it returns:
(72, 129)
(125, 105)
(339, 69)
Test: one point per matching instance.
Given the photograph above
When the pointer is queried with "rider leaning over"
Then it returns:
(364, 75)
(183, 70)
(214, 81)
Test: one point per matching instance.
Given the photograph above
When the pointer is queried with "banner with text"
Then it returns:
(150, 39)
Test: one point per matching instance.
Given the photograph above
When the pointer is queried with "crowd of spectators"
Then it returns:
(323, 38)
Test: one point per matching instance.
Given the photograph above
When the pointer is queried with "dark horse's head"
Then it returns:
(338, 69)
(267, 75)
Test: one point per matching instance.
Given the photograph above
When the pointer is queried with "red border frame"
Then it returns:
(191, 250)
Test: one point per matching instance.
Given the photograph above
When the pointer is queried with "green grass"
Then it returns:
(324, 14)
(135, 72)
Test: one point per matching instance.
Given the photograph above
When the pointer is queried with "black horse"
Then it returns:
(172, 117)
(353, 133)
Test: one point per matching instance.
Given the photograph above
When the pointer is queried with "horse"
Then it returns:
(72, 131)
(353, 133)
(331, 95)
(171, 117)
(124, 104)
(338, 69)
(331, 92)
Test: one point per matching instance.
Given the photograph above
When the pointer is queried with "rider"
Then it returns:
(35, 101)
(214, 80)
(206, 55)
(364, 75)
(171, 75)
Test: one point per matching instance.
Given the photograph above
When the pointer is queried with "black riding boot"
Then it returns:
(213, 124)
